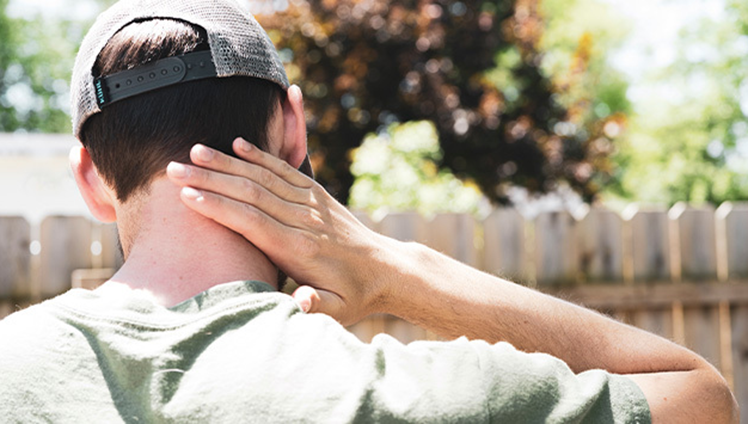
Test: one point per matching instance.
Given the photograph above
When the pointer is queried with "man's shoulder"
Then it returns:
(27, 330)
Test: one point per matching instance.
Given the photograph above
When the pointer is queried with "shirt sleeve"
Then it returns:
(474, 381)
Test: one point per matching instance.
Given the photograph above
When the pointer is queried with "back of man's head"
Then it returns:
(132, 140)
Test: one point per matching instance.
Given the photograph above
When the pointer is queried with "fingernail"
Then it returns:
(192, 194)
(245, 145)
(305, 305)
(204, 153)
(178, 170)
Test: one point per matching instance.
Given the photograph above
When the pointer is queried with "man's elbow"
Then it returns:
(724, 404)
(718, 404)
(700, 395)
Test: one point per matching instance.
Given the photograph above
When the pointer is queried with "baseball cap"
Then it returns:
(239, 46)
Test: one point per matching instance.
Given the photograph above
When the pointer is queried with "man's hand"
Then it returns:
(295, 222)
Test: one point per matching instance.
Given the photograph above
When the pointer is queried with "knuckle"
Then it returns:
(248, 214)
(249, 187)
(310, 219)
(265, 178)
(312, 199)
(286, 168)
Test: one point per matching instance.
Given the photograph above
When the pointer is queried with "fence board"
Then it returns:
(650, 247)
(408, 226)
(696, 241)
(600, 235)
(732, 233)
(556, 248)
(701, 328)
(6, 308)
(658, 321)
(365, 219)
(740, 356)
(66, 246)
(368, 327)
(504, 251)
(403, 331)
(454, 235)
(15, 257)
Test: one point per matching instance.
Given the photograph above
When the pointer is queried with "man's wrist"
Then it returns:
(403, 277)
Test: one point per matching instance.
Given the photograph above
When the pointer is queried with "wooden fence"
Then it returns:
(681, 273)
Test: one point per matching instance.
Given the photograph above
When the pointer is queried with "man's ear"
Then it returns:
(95, 192)
(293, 149)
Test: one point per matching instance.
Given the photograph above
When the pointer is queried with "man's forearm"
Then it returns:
(452, 299)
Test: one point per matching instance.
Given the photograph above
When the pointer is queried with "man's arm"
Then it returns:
(348, 272)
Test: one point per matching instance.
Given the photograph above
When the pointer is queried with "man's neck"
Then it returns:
(176, 253)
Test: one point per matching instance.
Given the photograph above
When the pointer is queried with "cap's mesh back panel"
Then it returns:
(238, 43)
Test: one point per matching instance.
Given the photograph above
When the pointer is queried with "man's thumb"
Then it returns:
(306, 297)
(313, 300)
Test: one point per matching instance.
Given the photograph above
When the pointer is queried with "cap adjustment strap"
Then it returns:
(161, 73)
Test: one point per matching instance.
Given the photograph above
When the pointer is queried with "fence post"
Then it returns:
(15, 257)
(504, 251)
(66, 246)
(556, 249)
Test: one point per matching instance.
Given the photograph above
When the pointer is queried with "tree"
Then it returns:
(36, 59)
(690, 140)
(396, 171)
(365, 65)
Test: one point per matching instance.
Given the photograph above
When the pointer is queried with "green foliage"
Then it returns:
(578, 36)
(689, 141)
(36, 58)
(397, 171)
(365, 65)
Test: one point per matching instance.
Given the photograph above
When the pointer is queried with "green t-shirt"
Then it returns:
(240, 352)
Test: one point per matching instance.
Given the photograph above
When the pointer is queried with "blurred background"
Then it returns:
(454, 104)
(594, 149)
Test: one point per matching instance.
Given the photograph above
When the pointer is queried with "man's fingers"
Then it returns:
(239, 188)
(253, 154)
(212, 159)
(260, 229)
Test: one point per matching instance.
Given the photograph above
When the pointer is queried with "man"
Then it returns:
(190, 328)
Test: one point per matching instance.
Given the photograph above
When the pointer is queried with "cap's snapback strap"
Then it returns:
(159, 74)
(162, 73)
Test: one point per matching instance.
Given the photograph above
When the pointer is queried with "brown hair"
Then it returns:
(133, 140)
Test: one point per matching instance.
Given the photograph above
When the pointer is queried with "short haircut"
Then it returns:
(132, 141)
